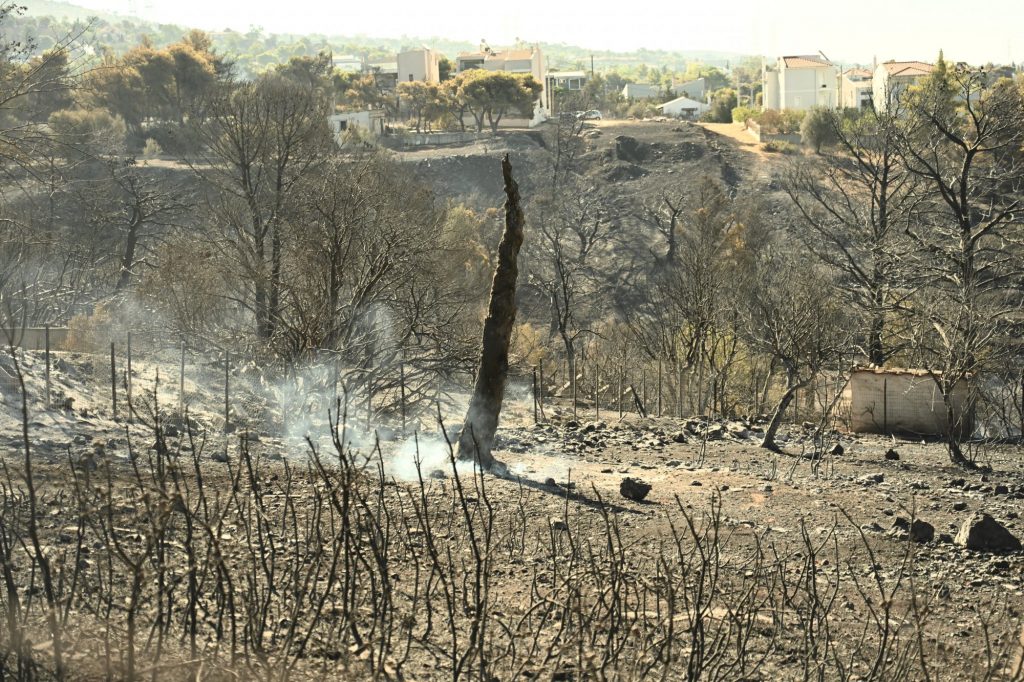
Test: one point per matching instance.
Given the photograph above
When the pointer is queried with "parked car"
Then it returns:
(592, 115)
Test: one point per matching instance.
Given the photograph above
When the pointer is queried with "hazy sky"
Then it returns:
(979, 31)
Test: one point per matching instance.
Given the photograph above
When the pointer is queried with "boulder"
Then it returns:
(891, 454)
(982, 533)
(916, 530)
(634, 489)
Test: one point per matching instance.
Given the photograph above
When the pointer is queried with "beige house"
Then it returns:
(800, 82)
(892, 78)
(908, 401)
(419, 65)
(856, 89)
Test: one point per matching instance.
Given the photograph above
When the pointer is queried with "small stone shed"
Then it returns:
(904, 401)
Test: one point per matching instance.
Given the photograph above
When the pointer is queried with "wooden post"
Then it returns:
(401, 385)
(643, 386)
(885, 404)
(622, 370)
(335, 381)
(536, 416)
(369, 400)
(659, 387)
(227, 392)
(572, 380)
(128, 379)
(113, 381)
(181, 383)
(597, 389)
(47, 340)
(680, 363)
(540, 395)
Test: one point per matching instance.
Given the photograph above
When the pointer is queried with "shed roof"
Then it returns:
(684, 101)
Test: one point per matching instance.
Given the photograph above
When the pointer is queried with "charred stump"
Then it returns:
(477, 436)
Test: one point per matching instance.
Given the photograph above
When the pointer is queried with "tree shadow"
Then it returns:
(573, 495)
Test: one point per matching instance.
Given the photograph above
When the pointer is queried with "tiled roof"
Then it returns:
(511, 55)
(805, 62)
(858, 73)
(907, 68)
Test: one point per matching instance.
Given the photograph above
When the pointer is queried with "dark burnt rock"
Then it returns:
(922, 531)
(836, 450)
(634, 489)
(891, 454)
(630, 149)
(982, 533)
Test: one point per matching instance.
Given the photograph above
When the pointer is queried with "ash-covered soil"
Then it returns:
(783, 546)
(623, 159)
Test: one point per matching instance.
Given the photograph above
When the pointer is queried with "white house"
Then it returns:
(855, 91)
(800, 82)
(347, 63)
(571, 81)
(892, 78)
(695, 89)
(370, 122)
(684, 107)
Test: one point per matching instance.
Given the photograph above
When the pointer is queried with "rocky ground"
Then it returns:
(887, 510)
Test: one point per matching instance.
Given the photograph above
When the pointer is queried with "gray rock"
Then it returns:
(1001, 490)
(634, 489)
(959, 506)
(871, 479)
(836, 450)
(982, 533)
(891, 454)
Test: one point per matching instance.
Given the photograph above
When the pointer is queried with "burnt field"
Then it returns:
(164, 549)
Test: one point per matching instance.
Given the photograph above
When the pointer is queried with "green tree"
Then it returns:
(714, 78)
(445, 68)
(722, 104)
(490, 95)
(818, 128)
(309, 71)
(423, 100)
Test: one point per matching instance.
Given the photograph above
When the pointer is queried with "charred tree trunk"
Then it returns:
(792, 386)
(477, 434)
